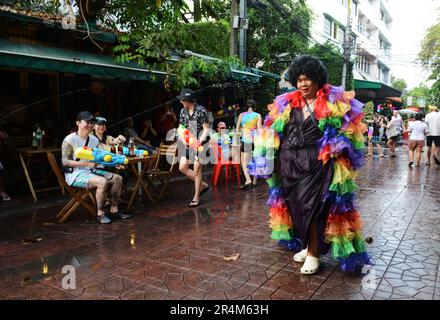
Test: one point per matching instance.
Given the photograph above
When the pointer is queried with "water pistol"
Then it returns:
(100, 156)
(189, 138)
(137, 152)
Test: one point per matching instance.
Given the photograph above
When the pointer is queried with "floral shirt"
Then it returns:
(195, 121)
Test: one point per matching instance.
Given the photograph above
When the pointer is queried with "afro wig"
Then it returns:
(310, 66)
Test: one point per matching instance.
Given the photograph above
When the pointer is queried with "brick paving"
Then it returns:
(174, 252)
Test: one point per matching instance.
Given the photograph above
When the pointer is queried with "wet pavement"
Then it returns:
(170, 251)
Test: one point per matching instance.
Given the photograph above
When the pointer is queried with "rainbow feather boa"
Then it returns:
(339, 117)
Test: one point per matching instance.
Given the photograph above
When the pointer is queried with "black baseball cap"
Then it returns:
(85, 115)
(187, 95)
(100, 120)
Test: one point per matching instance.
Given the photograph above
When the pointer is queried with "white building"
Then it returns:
(371, 22)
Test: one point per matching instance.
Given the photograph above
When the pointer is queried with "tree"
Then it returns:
(430, 57)
(430, 53)
(368, 109)
(280, 28)
(422, 92)
(333, 59)
(398, 83)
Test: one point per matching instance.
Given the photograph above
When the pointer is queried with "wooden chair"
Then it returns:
(78, 194)
(166, 152)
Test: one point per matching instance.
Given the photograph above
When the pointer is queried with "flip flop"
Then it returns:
(194, 204)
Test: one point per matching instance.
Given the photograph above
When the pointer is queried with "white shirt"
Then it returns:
(433, 121)
(418, 130)
(75, 141)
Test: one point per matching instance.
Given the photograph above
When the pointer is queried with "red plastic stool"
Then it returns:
(223, 163)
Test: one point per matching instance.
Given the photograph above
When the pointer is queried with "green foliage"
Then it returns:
(195, 72)
(430, 57)
(430, 53)
(368, 111)
(209, 38)
(333, 59)
(271, 33)
(417, 93)
(398, 83)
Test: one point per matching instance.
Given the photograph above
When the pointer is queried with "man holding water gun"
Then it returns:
(193, 134)
(86, 174)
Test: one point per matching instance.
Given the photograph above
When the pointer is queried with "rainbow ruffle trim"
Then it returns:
(339, 117)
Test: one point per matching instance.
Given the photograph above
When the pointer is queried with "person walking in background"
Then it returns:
(432, 119)
(418, 131)
(247, 123)
(375, 138)
(394, 129)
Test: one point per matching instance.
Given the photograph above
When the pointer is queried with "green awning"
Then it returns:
(362, 84)
(26, 56)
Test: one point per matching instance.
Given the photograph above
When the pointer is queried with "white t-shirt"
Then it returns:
(433, 121)
(418, 130)
(75, 141)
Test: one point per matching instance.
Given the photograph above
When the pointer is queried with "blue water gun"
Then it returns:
(100, 156)
(137, 152)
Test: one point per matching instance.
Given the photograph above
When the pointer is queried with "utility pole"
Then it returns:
(243, 28)
(346, 45)
(234, 26)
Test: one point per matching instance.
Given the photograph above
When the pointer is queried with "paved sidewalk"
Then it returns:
(173, 252)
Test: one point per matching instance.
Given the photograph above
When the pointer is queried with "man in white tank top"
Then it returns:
(84, 174)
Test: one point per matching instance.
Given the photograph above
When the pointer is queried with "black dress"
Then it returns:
(304, 179)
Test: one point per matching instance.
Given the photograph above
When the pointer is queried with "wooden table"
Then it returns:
(26, 155)
(140, 176)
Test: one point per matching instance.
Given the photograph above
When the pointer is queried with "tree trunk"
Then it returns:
(197, 10)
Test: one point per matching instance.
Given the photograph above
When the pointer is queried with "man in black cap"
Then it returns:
(83, 173)
(195, 118)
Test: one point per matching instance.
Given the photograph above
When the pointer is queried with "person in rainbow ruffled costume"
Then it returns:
(314, 135)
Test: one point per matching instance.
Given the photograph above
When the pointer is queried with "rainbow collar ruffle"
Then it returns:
(339, 117)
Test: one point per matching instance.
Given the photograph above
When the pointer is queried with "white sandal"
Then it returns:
(300, 256)
(310, 266)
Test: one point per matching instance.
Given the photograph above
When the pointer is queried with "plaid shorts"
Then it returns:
(82, 179)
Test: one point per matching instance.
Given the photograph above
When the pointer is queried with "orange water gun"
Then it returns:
(189, 138)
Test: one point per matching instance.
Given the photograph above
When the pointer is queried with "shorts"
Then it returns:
(191, 154)
(246, 146)
(375, 140)
(413, 144)
(82, 179)
(431, 139)
(395, 138)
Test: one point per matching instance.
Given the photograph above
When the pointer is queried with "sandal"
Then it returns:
(300, 256)
(194, 204)
(5, 197)
(246, 186)
(311, 265)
